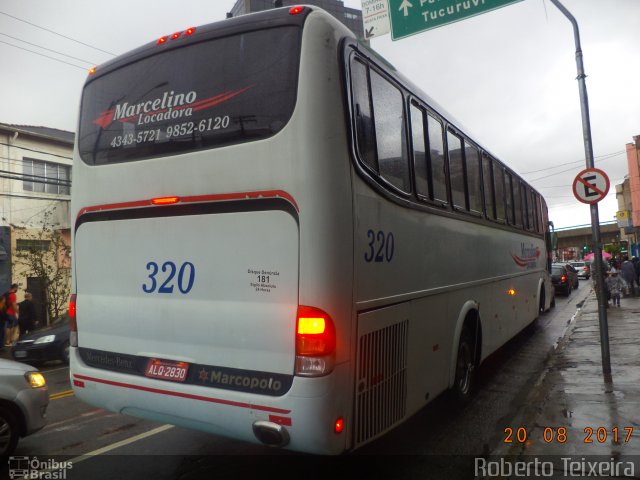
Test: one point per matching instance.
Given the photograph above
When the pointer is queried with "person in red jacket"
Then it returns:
(12, 315)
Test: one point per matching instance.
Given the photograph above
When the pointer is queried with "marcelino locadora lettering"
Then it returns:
(264, 383)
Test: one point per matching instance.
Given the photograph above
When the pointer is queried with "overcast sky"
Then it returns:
(508, 76)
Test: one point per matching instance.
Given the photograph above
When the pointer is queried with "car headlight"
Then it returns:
(35, 379)
(45, 339)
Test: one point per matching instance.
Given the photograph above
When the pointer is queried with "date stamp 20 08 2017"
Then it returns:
(615, 435)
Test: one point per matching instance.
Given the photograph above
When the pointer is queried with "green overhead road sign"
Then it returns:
(409, 17)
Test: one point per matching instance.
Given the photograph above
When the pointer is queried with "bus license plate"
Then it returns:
(167, 370)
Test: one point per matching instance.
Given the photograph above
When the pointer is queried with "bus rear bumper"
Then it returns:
(304, 418)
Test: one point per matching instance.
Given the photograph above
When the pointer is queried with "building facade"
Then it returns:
(351, 17)
(628, 196)
(35, 195)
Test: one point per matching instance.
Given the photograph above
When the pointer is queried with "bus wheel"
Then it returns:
(541, 305)
(465, 368)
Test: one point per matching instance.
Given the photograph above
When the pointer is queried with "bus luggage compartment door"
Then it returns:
(216, 289)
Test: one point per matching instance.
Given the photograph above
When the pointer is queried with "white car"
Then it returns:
(583, 268)
(24, 397)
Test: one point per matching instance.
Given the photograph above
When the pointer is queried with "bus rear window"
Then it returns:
(205, 95)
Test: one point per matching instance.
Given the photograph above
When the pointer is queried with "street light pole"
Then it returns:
(595, 220)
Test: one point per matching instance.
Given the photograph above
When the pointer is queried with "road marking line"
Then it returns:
(56, 396)
(113, 446)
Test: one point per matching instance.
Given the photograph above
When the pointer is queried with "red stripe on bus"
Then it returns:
(284, 421)
(194, 199)
(183, 395)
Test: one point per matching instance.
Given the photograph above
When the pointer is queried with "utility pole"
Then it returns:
(595, 220)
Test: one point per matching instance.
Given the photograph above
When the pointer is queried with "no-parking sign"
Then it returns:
(591, 185)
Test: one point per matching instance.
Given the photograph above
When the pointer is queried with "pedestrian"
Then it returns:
(628, 272)
(28, 319)
(11, 320)
(616, 285)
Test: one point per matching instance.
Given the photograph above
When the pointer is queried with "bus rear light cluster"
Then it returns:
(73, 325)
(315, 342)
(174, 36)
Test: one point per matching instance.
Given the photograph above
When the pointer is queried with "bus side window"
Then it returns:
(456, 171)
(498, 181)
(540, 228)
(472, 160)
(420, 159)
(436, 154)
(523, 196)
(487, 180)
(365, 136)
(533, 222)
(517, 203)
(388, 115)
(509, 198)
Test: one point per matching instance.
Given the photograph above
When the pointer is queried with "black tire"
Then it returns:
(567, 290)
(9, 433)
(543, 299)
(464, 381)
(553, 301)
(64, 353)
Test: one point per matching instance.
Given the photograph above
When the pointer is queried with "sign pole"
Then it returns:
(595, 220)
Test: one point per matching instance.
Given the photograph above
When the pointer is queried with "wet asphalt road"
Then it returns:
(124, 447)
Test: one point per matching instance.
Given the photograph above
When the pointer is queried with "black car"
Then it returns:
(48, 343)
(564, 278)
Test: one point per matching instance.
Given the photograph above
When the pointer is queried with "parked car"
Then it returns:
(583, 268)
(24, 397)
(48, 343)
(564, 278)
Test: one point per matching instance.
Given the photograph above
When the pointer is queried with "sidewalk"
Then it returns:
(574, 412)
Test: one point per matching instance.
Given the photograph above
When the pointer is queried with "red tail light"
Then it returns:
(315, 342)
(338, 427)
(73, 325)
(563, 278)
(165, 200)
(296, 10)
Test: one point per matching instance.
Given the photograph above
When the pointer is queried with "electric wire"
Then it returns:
(48, 49)
(58, 34)
(603, 157)
(43, 55)
(35, 151)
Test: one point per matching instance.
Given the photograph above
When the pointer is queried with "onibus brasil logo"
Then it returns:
(21, 467)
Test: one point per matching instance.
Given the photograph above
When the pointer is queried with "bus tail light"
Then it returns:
(338, 427)
(315, 342)
(296, 10)
(73, 325)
